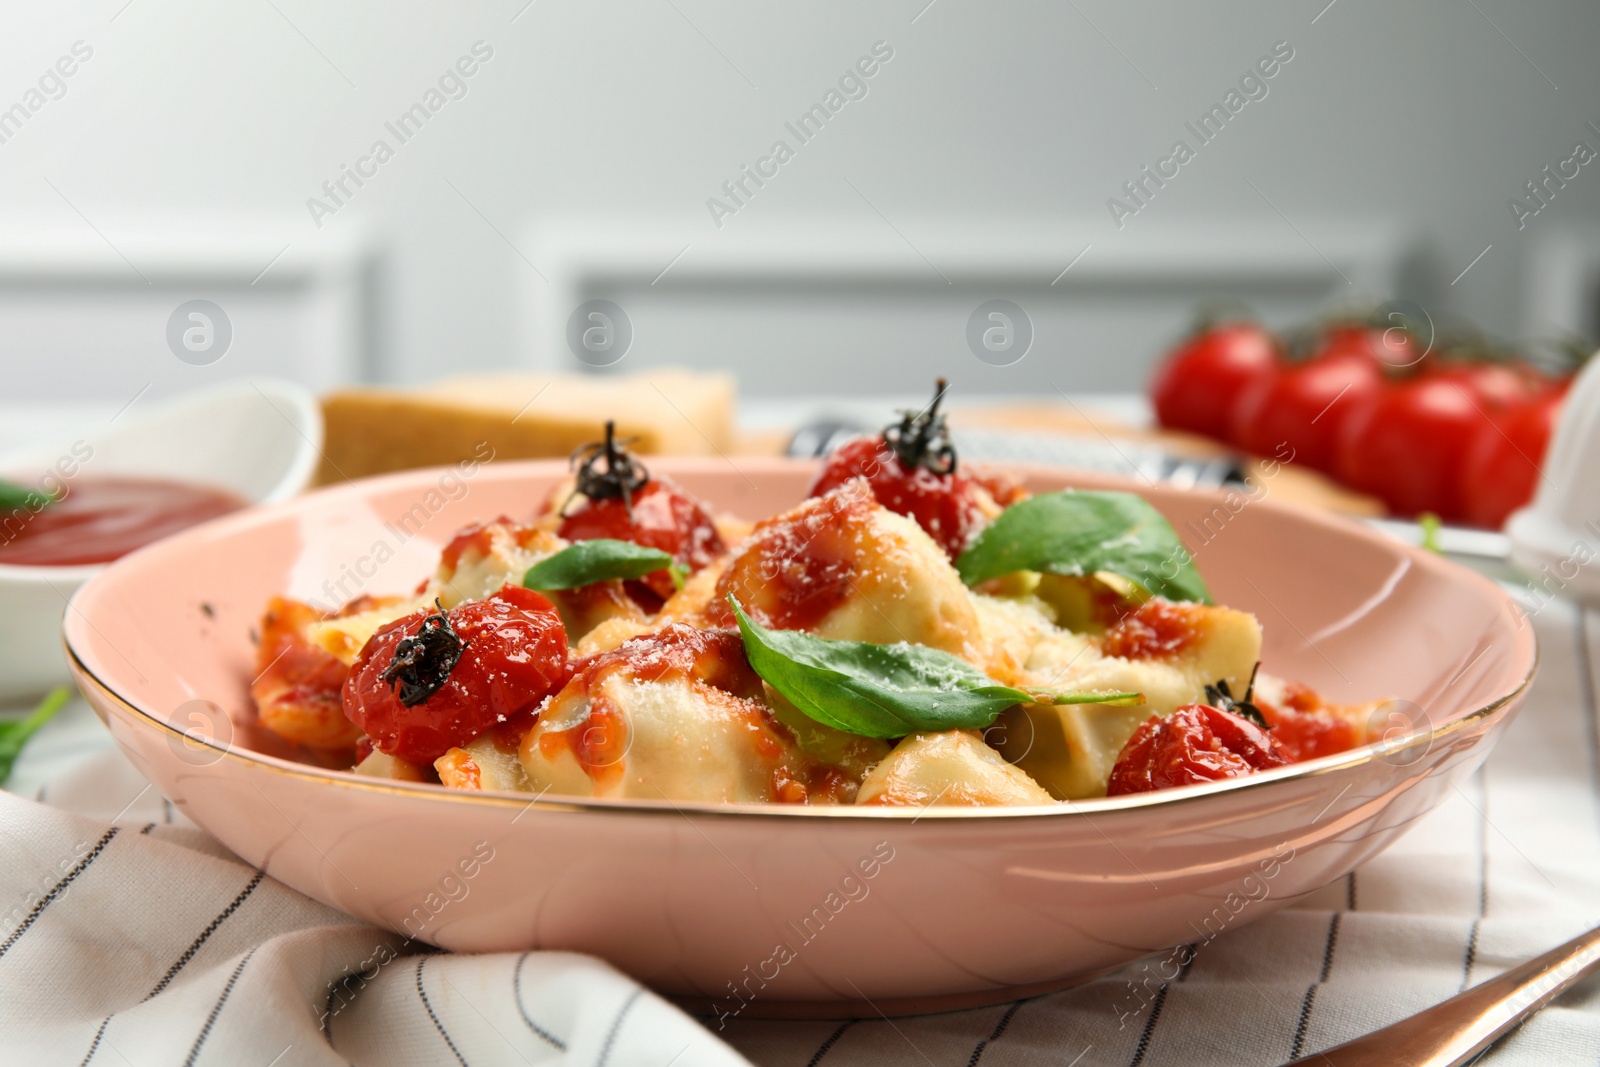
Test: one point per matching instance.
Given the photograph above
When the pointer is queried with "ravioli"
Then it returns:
(948, 767)
(845, 568)
(674, 715)
(1170, 653)
(298, 683)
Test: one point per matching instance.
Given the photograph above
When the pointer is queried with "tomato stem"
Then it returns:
(623, 476)
(423, 661)
(921, 438)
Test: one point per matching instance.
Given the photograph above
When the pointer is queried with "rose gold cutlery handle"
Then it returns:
(1453, 1032)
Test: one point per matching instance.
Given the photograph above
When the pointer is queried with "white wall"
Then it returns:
(1020, 117)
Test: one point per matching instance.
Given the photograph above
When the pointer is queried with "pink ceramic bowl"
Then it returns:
(795, 910)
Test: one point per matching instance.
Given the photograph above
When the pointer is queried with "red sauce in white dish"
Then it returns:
(102, 519)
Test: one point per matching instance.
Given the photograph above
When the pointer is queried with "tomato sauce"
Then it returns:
(1306, 727)
(800, 566)
(102, 519)
(601, 741)
(476, 537)
(1157, 629)
(677, 651)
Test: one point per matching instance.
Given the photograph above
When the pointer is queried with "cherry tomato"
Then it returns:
(1494, 385)
(948, 506)
(1408, 443)
(514, 655)
(1502, 469)
(1203, 378)
(1300, 412)
(1394, 347)
(664, 517)
(1196, 743)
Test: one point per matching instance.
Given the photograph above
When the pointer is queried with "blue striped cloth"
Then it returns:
(134, 938)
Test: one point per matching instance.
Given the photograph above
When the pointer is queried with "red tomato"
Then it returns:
(947, 506)
(664, 518)
(1300, 413)
(515, 655)
(1393, 346)
(1502, 469)
(1201, 381)
(1196, 743)
(1408, 443)
(1495, 385)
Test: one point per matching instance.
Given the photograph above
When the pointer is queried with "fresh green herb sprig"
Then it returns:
(1430, 526)
(15, 733)
(13, 496)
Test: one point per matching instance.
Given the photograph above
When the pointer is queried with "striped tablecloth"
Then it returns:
(130, 937)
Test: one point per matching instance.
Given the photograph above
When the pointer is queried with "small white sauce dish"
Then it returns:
(258, 439)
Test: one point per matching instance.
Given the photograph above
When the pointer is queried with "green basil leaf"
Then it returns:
(886, 690)
(14, 733)
(586, 562)
(14, 496)
(1078, 533)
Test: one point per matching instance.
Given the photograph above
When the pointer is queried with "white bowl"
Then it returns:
(258, 439)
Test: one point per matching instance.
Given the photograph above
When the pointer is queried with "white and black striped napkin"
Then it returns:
(142, 941)
(133, 939)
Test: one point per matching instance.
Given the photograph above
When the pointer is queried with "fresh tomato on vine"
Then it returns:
(1306, 405)
(1501, 471)
(435, 680)
(1202, 380)
(1408, 444)
(1496, 385)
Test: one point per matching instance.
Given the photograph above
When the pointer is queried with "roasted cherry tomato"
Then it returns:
(1196, 743)
(619, 500)
(1502, 469)
(947, 506)
(1202, 380)
(435, 680)
(661, 516)
(911, 469)
(1300, 412)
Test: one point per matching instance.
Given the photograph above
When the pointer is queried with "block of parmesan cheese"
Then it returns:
(522, 415)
